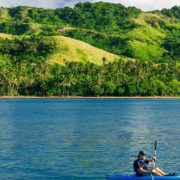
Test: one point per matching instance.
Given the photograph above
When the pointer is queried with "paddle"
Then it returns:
(155, 147)
(154, 165)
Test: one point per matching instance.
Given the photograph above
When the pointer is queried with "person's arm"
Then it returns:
(145, 170)
(152, 160)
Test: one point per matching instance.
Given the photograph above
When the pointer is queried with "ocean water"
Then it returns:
(71, 139)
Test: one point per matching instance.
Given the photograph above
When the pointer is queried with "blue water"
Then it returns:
(71, 139)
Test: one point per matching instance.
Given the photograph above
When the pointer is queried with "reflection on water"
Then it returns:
(85, 138)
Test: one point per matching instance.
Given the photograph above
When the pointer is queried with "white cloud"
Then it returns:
(142, 4)
(148, 4)
(34, 3)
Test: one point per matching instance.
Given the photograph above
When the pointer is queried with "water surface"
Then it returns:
(71, 139)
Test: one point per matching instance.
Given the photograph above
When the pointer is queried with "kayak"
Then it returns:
(134, 177)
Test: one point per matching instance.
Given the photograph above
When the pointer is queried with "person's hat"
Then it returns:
(142, 153)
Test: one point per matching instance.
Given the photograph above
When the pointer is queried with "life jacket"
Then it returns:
(136, 169)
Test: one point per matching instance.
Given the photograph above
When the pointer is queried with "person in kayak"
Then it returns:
(140, 166)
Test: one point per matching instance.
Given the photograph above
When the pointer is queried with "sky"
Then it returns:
(145, 5)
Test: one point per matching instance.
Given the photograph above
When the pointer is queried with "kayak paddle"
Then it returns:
(155, 147)
(154, 165)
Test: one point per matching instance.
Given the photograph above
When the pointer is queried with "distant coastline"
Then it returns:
(89, 97)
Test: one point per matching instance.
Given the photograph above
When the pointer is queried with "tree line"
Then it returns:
(118, 78)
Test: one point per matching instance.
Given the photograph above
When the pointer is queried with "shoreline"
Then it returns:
(89, 97)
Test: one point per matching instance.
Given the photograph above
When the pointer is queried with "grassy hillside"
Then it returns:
(146, 41)
(63, 49)
(73, 50)
(111, 27)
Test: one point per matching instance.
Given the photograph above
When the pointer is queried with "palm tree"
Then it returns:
(71, 81)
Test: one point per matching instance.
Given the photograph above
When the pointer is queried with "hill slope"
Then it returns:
(63, 48)
(74, 50)
(111, 27)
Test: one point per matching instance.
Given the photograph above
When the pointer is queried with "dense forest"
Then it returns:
(151, 41)
(119, 78)
(173, 12)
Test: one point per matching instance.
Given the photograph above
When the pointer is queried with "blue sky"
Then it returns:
(142, 4)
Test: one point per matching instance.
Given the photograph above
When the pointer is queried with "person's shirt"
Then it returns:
(138, 163)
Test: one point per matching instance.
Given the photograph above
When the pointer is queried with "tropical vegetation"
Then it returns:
(93, 49)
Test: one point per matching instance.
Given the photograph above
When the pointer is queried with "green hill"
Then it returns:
(92, 49)
(62, 49)
(111, 27)
(73, 50)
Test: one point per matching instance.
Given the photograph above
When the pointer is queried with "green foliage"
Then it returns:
(172, 45)
(34, 15)
(24, 69)
(127, 78)
(15, 28)
(116, 45)
(104, 17)
(173, 12)
(31, 49)
(112, 27)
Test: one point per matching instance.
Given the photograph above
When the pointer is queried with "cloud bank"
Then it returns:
(145, 5)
